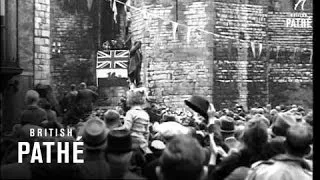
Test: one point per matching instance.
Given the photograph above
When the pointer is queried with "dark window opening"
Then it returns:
(108, 28)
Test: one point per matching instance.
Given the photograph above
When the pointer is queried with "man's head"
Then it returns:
(183, 158)
(83, 85)
(32, 97)
(112, 118)
(227, 126)
(268, 106)
(298, 140)
(73, 87)
(282, 122)
(255, 134)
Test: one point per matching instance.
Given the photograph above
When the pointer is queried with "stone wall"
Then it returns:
(74, 40)
(239, 75)
(225, 71)
(172, 68)
(42, 42)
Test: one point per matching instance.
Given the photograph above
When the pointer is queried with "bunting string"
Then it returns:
(189, 29)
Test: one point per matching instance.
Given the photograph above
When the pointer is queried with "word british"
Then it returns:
(40, 149)
(50, 132)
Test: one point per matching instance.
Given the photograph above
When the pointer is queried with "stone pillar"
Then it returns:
(42, 42)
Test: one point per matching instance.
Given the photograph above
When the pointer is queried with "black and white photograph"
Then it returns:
(156, 89)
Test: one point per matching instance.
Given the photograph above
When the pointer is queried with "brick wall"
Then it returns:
(290, 69)
(42, 42)
(74, 40)
(225, 71)
(172, 68)
(238, 72)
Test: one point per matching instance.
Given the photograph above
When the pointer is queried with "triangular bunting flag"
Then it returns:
(89, 4)
(278, 49)
(294, 52)
(260, 49)
(174, 29)
(144, 14)
(128, 3)
(253, 48)
(160, 21)
(188, 34)
(115, 11)
(147, 22)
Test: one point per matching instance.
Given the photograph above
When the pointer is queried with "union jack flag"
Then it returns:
(113, 59)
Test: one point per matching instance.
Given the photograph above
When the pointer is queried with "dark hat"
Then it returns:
(299, 136)
(198, 104)
(119, 141)
(94, 134)
(282, 123)
(227, 124)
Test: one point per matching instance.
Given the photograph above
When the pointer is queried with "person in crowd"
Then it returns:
(282, 124)
(135, 62)
(37, 170)
(164, 133)
(157, 147)
(9, 144)
(183, 158)
(112, 119)
(309, 118)
(86, 97)
(51, 114)
(137, 120)
(273, 115)
(262, 118)
(94, 135)
(227, 129)
(33, 114)
(291, 165)
(70, 98)
(47, 96)
(254, 138)
(55, 169)
(118, 155)
(84, 101)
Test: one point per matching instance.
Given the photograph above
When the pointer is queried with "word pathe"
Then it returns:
(299, 22)
(62, 149)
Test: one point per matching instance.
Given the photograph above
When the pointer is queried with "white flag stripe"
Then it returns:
(121, 64)
(104, 64)
(103, 54)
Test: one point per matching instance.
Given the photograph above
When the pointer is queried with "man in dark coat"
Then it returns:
(33, 114)
(83, 105)
(135, 62)
(85, 99)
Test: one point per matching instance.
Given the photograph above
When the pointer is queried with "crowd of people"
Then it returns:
(142, 142)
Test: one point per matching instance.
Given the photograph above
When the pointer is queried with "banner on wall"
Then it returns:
(112, 64)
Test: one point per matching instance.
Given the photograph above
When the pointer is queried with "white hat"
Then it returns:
(157, 144)
(171, 128)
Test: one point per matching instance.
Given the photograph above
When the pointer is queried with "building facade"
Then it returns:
(265, 60)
